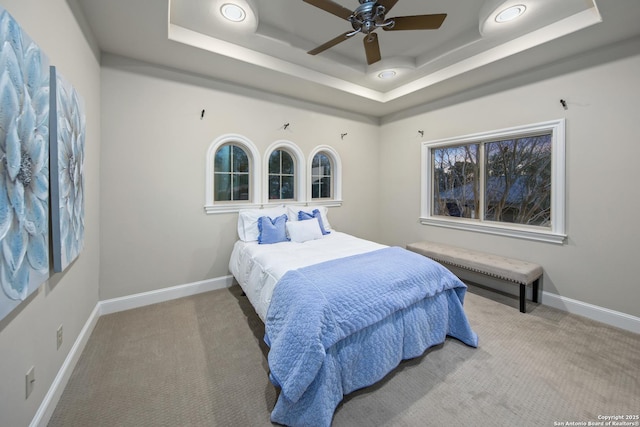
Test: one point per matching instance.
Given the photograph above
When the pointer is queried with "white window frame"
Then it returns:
(554, 234)
(336, 199)
(299, 172)
(255, 192)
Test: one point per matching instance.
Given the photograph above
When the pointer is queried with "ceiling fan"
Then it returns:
(369, 16)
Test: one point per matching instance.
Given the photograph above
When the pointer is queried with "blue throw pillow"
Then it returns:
(314, 214)
(272, 230)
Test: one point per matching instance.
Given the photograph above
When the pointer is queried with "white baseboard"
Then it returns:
(590, 311)
(161, 295)
(48, 405)
(593, 312)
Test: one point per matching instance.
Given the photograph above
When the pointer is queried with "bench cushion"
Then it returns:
(510, 269)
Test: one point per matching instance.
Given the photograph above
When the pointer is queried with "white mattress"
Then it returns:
(257, 268)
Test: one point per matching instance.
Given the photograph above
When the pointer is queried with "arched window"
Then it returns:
(325, 175)
(282, 176)
(233, 174)
(284, 163)
(321, 173)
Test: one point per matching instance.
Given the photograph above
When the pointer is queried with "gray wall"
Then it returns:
(28, 334)
(155, 232)
(152, 126)
(597, 263)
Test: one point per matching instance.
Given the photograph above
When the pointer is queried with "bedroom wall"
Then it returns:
(28, 334)
(155, 233)
(597, 265)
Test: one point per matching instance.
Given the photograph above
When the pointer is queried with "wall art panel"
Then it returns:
(67, 175)
(24, 165)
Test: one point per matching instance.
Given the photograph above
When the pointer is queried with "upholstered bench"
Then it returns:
(511, 270)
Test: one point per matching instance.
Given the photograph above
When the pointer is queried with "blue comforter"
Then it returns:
(344, 324)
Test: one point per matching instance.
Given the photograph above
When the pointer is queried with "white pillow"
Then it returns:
(248, 221)
(292, 213)
(301, 231)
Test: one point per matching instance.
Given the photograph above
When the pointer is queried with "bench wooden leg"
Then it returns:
(523, 292)
(534, 297)
(523, 301)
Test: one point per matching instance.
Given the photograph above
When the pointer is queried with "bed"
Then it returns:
(340, 312)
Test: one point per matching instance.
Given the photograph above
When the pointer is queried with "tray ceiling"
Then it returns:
(268, 50)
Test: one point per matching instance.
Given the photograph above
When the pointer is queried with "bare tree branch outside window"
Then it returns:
(518, 183)
(516, 174)
(456, 181)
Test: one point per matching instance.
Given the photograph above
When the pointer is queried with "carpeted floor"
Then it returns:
(201, 361)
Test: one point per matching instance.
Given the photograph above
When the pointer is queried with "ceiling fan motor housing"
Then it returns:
(368, 16)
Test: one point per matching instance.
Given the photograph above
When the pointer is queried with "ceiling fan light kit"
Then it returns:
(368, 17)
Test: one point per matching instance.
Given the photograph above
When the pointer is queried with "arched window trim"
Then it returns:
(336, 200)
(254, 169)
(300, 173)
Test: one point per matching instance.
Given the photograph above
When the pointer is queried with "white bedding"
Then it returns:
(257, 268)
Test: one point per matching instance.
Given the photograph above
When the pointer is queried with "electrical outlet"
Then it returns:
(59, 336)
(30, 381)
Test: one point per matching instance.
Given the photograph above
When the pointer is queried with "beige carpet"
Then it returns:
(201, 361)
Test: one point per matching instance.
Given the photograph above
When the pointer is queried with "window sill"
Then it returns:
(323, 202)
(229, 208)
(234, 208)
(515, 232)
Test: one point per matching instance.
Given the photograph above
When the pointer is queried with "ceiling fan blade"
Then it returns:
(331, 7)
(330, 43)
(418, 22)
(372, 48)
(388, 4)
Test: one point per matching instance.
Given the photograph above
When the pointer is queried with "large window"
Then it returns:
(508, 182)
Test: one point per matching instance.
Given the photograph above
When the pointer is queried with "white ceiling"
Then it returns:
(268, 51)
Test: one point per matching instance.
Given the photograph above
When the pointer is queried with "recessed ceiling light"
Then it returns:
(510, 13)
(386, 74)
(233, 12)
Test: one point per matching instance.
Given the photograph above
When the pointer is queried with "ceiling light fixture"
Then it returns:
(233, 12)
(510, 13)
(386, 74)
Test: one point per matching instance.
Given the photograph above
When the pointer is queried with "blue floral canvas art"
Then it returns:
(24, 165)
(67, 174)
